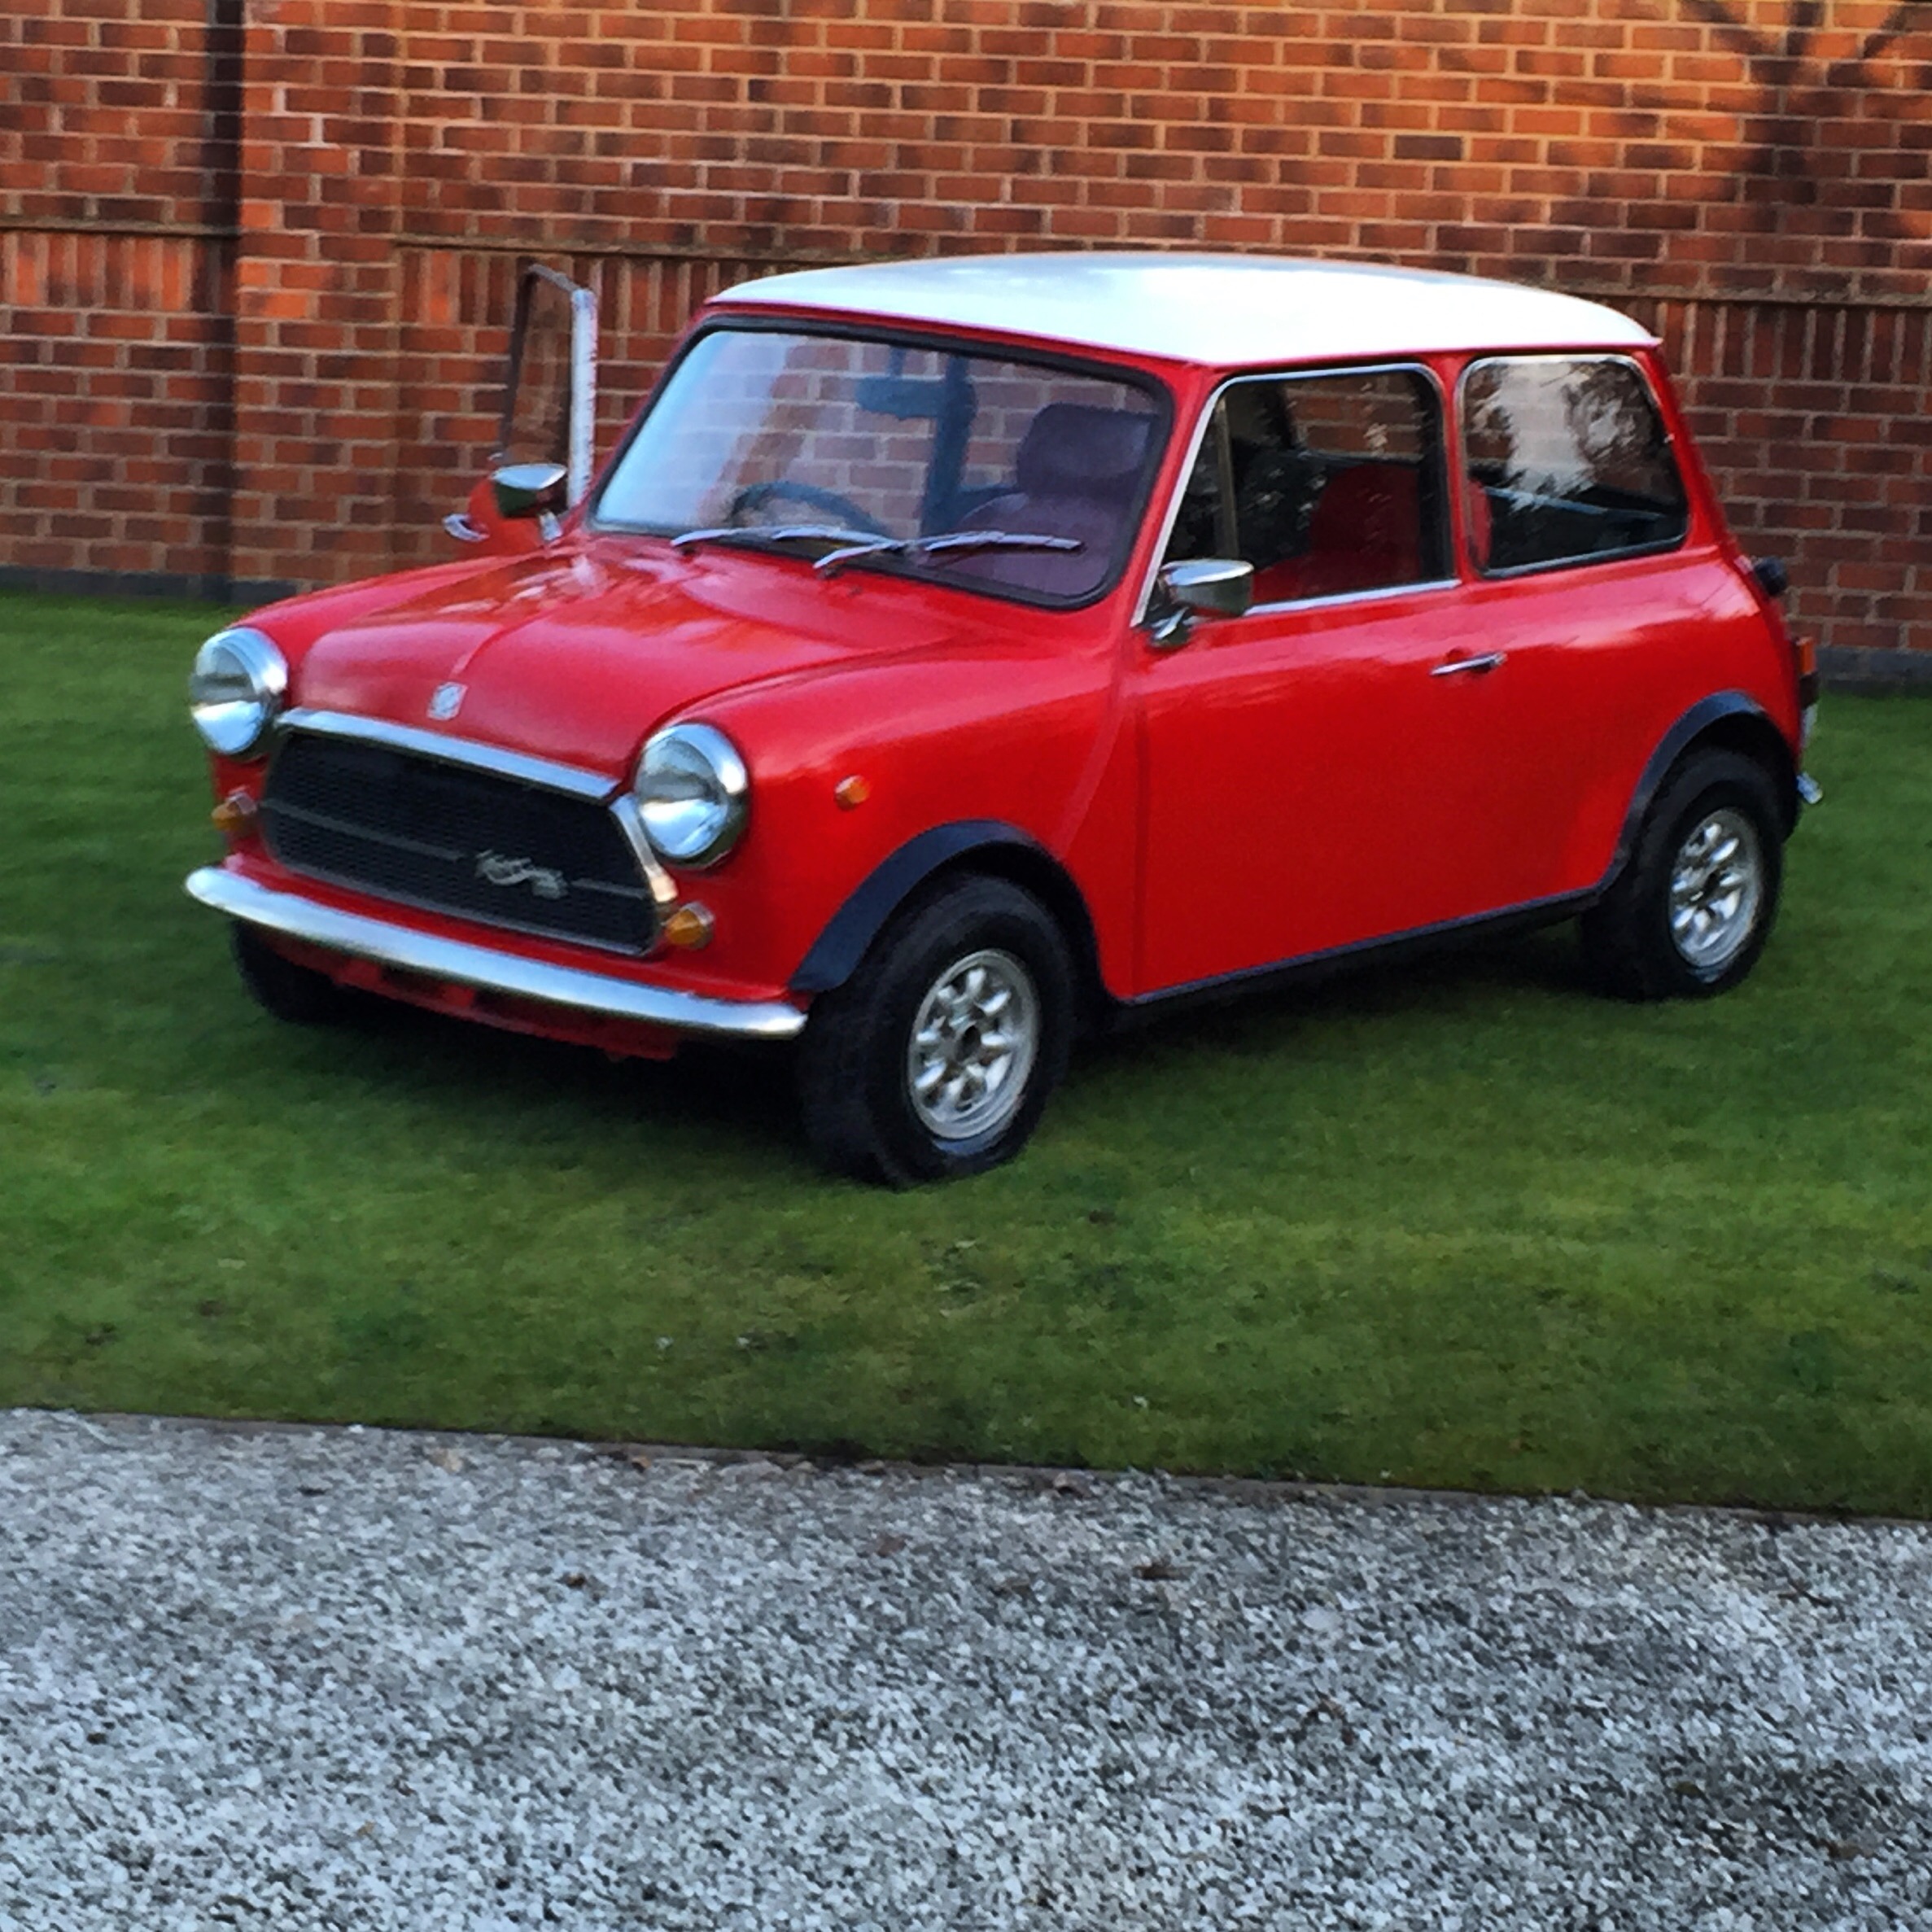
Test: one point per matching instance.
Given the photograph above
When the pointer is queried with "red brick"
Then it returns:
(1586, 143)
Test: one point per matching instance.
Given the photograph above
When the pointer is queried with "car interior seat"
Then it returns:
(1365, 534)
(1075, 473)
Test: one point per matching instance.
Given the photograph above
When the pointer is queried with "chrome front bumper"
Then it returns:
(493, 972)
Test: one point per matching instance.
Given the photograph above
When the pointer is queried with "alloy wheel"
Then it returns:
(973, 1043)
(1717, 884)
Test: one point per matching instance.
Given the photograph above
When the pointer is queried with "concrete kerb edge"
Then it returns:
(1872, 672)
(149, 586)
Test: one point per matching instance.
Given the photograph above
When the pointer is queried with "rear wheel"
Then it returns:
(1693, 908)
(299, 994)
(935, 1060)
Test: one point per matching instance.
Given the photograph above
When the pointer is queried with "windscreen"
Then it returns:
(761, 429)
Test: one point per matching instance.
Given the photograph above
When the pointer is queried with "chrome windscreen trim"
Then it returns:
(479, 966)
(541, 771)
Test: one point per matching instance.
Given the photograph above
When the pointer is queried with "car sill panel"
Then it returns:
(1377, 949)
(414, 952)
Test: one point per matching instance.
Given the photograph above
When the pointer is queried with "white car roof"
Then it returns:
(1225, 311)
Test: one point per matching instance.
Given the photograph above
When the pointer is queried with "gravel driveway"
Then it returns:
(304, 1678)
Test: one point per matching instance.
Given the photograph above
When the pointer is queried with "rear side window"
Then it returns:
(1328, 484)
(1567, 462)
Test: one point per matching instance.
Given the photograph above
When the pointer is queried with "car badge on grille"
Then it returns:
(446, 700)
(546, 882)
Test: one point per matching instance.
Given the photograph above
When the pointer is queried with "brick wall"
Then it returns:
(117, 183)
(274, 359)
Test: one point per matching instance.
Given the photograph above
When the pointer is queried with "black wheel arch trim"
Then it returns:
(835, 953)
(1698, 719)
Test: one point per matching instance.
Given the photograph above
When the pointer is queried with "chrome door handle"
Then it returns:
(460, 527)
(1488, 661)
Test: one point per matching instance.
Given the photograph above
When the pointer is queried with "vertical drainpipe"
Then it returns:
(222, 44)
(399, 556)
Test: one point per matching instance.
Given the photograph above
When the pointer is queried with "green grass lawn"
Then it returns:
(1459, 1224)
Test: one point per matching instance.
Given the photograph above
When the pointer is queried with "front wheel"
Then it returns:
(298, 995)
(1691, 911)
(935, 1060)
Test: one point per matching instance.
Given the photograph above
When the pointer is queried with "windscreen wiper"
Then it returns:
(954, 542)
(777, 533)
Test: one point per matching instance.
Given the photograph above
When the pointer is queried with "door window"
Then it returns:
(1328, 484)
(1567, 461)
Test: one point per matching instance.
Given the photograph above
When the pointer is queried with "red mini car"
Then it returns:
(956, 653)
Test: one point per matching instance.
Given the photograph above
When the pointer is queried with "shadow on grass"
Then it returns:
(743, 1091)
(1258, 1017)
(746, 1091)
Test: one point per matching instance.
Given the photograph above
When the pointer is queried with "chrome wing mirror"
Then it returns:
(531, 490)
(1206, 585)
(549, 406)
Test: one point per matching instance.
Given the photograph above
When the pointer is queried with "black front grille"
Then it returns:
(455, 840)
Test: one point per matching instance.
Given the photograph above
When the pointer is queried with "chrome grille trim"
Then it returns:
(544, 772)
(548, 774)
(623, 808)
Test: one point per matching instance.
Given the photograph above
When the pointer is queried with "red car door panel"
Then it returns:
(1307, 785)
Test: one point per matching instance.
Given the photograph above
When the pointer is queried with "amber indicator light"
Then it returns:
(689, 927)
(851, 793)
(234, 816)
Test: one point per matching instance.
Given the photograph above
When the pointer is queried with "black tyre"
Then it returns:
(296, 994)
(936, 1058)
(1691, 911)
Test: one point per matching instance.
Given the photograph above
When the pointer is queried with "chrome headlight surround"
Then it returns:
(694, 795)
(239, 683)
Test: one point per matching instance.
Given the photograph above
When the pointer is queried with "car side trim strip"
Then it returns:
(415, 952)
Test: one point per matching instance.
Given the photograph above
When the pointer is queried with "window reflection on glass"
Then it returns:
(762, 428)
(1327, 484)
(1568, 461)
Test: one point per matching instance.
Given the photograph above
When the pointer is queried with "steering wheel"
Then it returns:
(756, 495)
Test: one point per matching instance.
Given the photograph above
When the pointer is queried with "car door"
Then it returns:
(1305, 787)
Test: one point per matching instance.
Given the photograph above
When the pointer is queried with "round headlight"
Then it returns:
(692, 794)
(237, 687)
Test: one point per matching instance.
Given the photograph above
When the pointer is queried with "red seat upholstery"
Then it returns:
(1366, 533)
(1480, 521)
(1076, 469)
